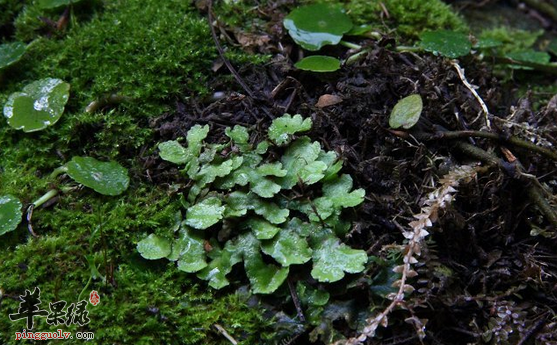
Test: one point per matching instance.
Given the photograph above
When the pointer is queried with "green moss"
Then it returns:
(147, 302)
(408, 18)
(9, 9)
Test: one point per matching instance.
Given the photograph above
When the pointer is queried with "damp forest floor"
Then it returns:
(488, 269)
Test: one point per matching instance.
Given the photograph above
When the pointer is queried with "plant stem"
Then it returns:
(408, 49)
(49, 195)
(350, 45)
(59, 171)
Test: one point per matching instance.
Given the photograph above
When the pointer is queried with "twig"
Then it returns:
(472, 89)
(225, 333)
(296, 300)
(221, 52)
(494, 136)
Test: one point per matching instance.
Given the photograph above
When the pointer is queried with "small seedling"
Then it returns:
(39, 105)
(246, 206)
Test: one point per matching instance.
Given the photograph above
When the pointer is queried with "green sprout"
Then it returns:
(246, 205)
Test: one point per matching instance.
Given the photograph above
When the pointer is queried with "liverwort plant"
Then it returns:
(248, 203)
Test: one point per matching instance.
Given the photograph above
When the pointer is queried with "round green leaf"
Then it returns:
(154, 247)
(107, 178)
(38, 106)
(447, 43)
(406, 112)
(10, 53)
(318, 63)
(10, 213)
(314, 26)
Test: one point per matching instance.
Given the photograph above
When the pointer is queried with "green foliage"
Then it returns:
(282, 128)
(48, 4)
(39, 105)
(317, 25)
(408, 17)
(446, 43)
(154, 247)
(406, 112)
(240, 202)
(10, 213)
(10, 53)
(510, 39)
(107, 178)
(318, 63)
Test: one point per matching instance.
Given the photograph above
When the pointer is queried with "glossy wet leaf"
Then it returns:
(189, 250)
(107, 178)
(298, 155)
(287, 248)
(406, 112)
(313, 26)
(311, 296)
(331, 259)
(205, 214)
(172, 151)
(239, 134)
(262, 229)
(49, 4)
(264, 278)
(221, 264)
(154, 247)
(271, 169)
(10, 213)
(195, 138)
(338, 191)
(270, 211)
(10, 53)
(237, 204)
(263, 186)
(282, 128)
(313, 172)
(450, 44)
(318, 63)
(39, 105)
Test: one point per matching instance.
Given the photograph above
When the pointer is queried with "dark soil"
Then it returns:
(483, 272)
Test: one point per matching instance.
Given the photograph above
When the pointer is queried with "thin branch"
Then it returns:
(221, 52)
(225, 333)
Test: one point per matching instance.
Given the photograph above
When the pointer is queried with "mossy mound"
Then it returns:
(150, 54)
